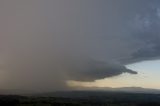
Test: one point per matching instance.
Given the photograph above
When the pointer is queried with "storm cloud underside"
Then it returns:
(44, 43)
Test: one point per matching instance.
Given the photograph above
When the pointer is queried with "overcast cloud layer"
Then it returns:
(44, 43)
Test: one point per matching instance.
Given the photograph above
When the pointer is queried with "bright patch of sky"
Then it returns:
(147, 77)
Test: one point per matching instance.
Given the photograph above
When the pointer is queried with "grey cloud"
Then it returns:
(47, 42)
(99, 70)
(146, 35)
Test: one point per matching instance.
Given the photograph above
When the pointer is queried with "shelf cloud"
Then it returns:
(44, 43)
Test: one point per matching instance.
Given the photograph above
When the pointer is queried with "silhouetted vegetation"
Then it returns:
(83, 99)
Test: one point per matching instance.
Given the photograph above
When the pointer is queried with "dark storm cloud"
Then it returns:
(44, 43)
(146, 33)
(99, 70)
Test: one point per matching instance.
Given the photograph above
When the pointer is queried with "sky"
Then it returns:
(46, 43)
(147, 77)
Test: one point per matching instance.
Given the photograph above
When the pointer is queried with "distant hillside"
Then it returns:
(130, 89)
(107, 90)
(138, 90)
(94, 89)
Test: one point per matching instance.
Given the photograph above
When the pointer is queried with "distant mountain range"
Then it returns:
(136, 90)
(128, 89)
(93, 89)
(100, 92)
